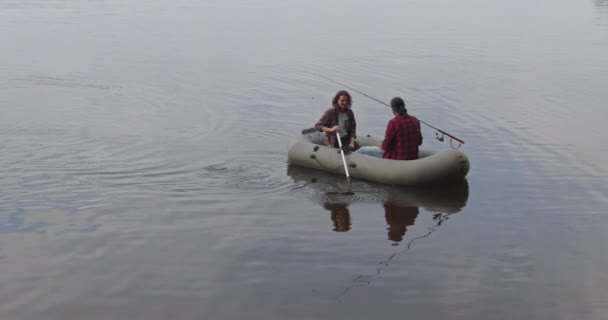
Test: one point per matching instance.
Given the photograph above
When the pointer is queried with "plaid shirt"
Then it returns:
(402, 138)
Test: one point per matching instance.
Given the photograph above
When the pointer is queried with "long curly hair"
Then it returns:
(340, 93)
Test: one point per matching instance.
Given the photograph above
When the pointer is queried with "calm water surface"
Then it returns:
(143, 168)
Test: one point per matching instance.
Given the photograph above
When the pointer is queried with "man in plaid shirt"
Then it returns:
(403, 134)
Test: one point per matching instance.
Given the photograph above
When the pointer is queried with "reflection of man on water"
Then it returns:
(398, 219)
(340, 215)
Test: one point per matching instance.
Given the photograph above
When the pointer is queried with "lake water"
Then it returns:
(143, 168)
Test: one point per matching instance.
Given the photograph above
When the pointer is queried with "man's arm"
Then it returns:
(323, 124)
(389, 136)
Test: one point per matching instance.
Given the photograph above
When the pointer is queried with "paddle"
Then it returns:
(344, 163)
(309, 130)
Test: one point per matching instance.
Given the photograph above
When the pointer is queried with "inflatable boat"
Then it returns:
(307, 150)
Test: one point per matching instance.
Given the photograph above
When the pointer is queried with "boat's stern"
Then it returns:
(462, 162)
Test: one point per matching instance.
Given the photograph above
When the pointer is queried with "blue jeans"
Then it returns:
(371, 151)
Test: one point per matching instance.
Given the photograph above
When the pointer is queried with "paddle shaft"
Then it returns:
(343, 157)
(442, 132)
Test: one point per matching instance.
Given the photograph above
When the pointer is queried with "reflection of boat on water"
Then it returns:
(444, 198)
(398, 218)
(401, 204)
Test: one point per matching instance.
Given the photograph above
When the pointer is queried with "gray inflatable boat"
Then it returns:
(431, 167)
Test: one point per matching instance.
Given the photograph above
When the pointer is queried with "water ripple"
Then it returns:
(66, 82)
(245, 175)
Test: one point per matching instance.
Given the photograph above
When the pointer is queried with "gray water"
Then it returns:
(143, 170)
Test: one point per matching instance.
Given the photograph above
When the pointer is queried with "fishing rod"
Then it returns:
(440, 138)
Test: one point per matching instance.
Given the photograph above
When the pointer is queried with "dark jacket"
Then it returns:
(330, 119)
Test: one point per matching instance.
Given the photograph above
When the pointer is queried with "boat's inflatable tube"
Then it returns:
(432, 166)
